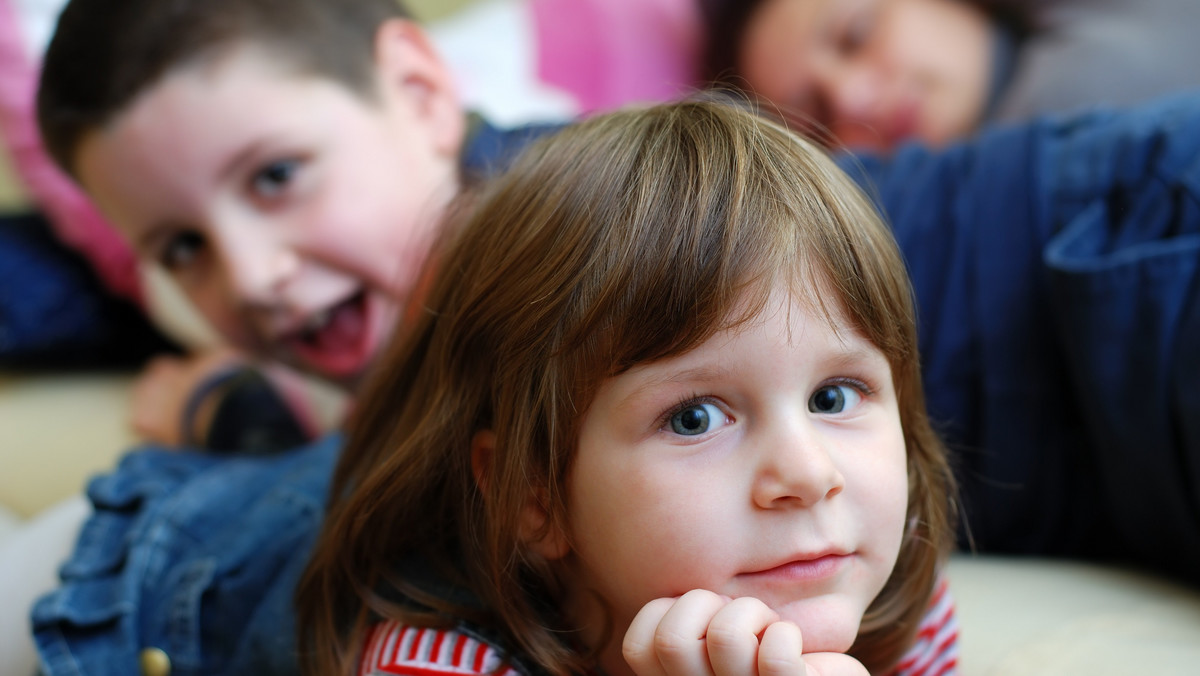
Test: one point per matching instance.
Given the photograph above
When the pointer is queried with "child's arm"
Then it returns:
(218, 401)
(702, 633)
(1056, 267)
(162, 391)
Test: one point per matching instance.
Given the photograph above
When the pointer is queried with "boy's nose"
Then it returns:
(258, 267)
(797, 468)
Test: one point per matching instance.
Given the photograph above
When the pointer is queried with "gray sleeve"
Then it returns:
(1103, 52)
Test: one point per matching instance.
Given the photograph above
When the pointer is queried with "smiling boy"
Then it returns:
(293, 199)
(288, 163)
(298, 230)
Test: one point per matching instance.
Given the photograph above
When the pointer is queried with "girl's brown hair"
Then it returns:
(627, 238)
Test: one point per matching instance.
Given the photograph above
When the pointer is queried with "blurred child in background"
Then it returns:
(870, 74)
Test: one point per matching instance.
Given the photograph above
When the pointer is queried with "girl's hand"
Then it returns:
(704, 634)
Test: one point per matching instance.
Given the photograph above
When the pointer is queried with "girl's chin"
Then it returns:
(827, 624)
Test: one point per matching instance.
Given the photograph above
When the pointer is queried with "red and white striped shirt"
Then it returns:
(394, 648)
(935, 652)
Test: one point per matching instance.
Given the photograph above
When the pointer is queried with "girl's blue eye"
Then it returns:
(274, 177)
(833, 399)
(696, 419)
(181, 250)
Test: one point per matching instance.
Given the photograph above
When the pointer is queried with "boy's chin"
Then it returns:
(348, 382)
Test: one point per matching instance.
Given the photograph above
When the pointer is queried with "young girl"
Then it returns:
(876, 73)
(664, 388)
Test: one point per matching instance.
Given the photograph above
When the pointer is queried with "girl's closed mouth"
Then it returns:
(804, 567)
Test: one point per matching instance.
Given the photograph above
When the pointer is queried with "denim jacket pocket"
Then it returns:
(1125, 283)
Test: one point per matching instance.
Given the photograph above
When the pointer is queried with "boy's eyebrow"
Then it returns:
(241, 157)
(152, 236)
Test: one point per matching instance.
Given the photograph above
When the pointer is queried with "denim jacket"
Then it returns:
(1056, 267)
(192, 554)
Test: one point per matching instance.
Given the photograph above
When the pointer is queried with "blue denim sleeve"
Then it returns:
(190, 554)
(1055, 270)
(1124, 276)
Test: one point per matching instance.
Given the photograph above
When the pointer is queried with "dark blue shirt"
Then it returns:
(1056, 268)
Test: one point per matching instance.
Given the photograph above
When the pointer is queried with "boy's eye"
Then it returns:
(857, 32)
(694, 419)
(273, 178)
(181, 250)
(834, 399)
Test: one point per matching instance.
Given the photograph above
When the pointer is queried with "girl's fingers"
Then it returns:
(779, 651)
(833, 664)
(679, 639)
(638, 645)
(732, 639)
(677, 642)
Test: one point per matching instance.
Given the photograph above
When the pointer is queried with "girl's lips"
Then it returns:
(803, 569)
(341, 347)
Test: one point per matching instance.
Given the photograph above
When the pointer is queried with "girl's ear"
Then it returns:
(536, 530)
(411, 68)
(483, 447)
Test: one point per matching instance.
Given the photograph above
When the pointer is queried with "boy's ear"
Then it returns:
(542, 537)
(411, 67)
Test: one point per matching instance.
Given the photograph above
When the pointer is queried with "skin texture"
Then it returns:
(872, 73)
(786, 510)
(299, 230)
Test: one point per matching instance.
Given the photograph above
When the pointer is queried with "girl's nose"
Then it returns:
(797, 468)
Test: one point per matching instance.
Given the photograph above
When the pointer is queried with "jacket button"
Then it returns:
(155, 662)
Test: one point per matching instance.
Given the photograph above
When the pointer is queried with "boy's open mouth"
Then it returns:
(334, 341)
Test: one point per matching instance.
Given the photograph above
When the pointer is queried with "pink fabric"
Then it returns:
(610, 52)
(75, 220)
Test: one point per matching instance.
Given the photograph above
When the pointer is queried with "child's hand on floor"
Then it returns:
(165, 387)
(705, 634)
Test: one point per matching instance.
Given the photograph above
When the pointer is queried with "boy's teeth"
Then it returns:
(318, 321)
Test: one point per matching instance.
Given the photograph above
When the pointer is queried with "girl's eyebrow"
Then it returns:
(856, 355)
(699, 375)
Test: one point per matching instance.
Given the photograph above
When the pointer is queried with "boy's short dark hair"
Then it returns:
(724, 21)
(104, 53)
